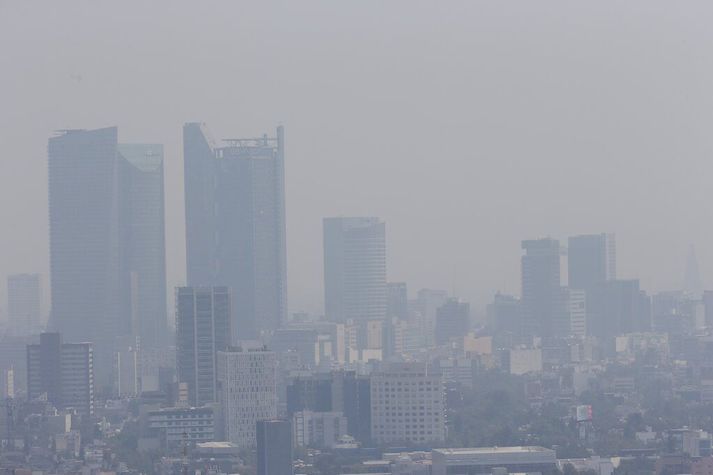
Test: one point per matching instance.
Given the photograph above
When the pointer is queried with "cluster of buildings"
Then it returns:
(230, 372)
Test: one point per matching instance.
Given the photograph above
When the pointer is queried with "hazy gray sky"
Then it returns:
(467, 126)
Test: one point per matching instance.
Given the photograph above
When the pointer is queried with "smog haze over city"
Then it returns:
(467, 127)
(232, 229)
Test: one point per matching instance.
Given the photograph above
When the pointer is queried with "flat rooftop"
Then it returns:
(493, 450)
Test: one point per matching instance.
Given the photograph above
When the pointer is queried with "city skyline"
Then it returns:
(569, 129)
(319, 238)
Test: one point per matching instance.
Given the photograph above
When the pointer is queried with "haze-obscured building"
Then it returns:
(235, 224)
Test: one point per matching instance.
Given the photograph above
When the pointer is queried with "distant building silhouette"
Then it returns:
(425, 306)
(591, 259)
(540, 286)
(504, 318)
(397, 300)
(202, 330)
(235, 224)
(452, 320)
(617, 307)
(64, 372)
(355, 269)
(107, 254)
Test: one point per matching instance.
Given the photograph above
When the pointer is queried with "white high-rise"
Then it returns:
(248, 392)
(407, 405)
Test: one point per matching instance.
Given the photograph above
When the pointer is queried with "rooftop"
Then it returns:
(493, 450)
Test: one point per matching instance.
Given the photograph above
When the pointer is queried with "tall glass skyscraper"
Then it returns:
(235, 224)
(107, 253)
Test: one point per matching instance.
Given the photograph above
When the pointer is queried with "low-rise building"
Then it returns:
(178, 424)
(473, 461)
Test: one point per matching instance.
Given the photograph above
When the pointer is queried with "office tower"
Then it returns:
(64, 372)
(617, 307)
(24, 295)
(106, 240)
(397, 300)
(235, 224)
(504, 317)
(571, 316)
(248, 392)
(427, 303)
(202, 330)
(407, 405)
(452, 320)
(540, 285)
(591, 259)
(274, 447)
(355, 269)
(143, 201)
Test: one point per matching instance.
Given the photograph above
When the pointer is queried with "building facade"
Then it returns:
(274, 447)
(591, 259)
(202, 330)
(407, 405)
(62, 371)
(177, 425)
(540, 286)
(452, 320)
(318, 429)
(235, 224)
(248, 392)
(107, 254)
(355, 269)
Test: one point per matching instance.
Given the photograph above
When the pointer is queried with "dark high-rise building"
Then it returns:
(355, 269)
(202, 330)
(23, 304)
(64, 372)
(540, 286)
(274, 447)
(311, 393)
(107, 255)
(452, 320)
(338, 391)
(504, 316)
(235, 224)
(591, 259)
(397, 300)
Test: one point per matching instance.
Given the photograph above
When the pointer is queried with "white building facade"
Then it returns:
(247, 391)
(407, 405)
